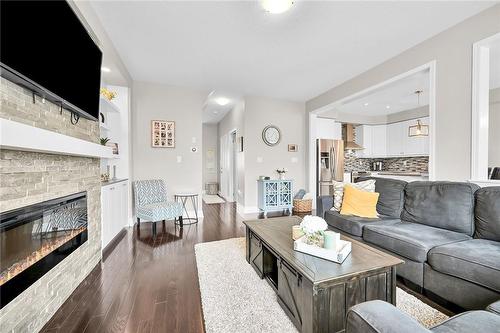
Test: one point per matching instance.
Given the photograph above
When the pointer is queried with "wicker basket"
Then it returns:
(302, 205)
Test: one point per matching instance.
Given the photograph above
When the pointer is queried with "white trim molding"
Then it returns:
(18, 136)
(481, 107)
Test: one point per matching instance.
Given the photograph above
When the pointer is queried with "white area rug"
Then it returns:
(212, 199)
(235, 299)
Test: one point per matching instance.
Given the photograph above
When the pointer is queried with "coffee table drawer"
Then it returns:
(256, 257)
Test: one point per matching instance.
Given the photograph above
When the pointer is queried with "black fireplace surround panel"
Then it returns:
(35, 238)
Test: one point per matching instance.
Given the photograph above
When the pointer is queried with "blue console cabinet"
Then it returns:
(275, 195)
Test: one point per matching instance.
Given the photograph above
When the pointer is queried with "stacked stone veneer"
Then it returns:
(29, 177)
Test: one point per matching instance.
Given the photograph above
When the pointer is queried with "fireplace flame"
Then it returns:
(47, 248)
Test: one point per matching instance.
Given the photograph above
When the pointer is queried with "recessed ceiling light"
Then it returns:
(387, 106)
(222, 101)
(366, 104)
(276, 6)
(215, 112)
(105, 69)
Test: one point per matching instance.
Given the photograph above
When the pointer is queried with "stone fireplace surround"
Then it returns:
(31, 177)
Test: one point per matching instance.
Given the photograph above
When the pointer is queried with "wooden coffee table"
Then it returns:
(316, 293)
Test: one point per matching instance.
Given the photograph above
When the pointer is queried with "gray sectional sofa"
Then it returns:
(382, 317)
(448, 234)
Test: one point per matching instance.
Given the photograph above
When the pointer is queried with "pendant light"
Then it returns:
(419, 129)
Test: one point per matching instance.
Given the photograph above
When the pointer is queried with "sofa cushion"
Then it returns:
(487, 213)
(467, 322)
(475, 260)
(410, 240)
(446, 205)
(391, 199)
(494, 307)
(353, 225)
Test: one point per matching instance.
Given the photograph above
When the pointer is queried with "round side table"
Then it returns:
(185, 198)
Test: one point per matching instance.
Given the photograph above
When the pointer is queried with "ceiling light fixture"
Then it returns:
(216, 112)
(276, 6)
(105, 69)
(366, 104)
(419, 129)
(387, 106)
(222, 101)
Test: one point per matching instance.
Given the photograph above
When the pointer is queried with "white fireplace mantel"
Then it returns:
(18, 136)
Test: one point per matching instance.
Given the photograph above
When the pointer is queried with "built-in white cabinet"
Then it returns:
(114, 210)
(391, 140)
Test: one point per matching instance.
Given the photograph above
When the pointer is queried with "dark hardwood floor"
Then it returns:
(147, 284)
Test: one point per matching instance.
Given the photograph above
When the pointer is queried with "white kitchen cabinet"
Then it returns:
(395, 139)
(114, 210)
(391, 140)
(379, 141)
(364, 135)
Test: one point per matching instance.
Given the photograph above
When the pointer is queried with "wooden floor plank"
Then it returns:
(148, 284)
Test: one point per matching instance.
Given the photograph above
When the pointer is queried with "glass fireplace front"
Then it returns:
(36, 238)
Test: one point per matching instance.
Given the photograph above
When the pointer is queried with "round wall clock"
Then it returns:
(271, 135)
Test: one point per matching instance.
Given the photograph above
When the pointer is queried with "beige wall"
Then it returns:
(452, 50)
(184, 106)
(290, 118)
(210, 146)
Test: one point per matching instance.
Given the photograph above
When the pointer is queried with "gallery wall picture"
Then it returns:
(162, 134)
(293, 148)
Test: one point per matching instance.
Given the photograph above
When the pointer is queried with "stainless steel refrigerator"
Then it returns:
(329, 164)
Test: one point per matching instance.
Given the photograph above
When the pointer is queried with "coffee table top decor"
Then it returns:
(319, 242)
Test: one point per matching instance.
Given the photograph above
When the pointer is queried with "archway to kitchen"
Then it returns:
(386, 129)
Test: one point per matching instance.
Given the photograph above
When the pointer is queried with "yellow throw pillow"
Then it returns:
(359, 203)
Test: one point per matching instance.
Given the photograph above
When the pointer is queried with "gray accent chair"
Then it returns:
(448, 234)
(381, 317)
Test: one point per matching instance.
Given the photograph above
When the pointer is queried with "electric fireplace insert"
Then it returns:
(34, 239)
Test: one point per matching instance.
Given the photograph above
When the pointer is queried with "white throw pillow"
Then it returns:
(338, 191)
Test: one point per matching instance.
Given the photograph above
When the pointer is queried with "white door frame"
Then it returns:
(431, 66)
(481, 107)
(227, 166)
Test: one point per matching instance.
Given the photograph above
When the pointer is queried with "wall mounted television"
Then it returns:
(45, 48)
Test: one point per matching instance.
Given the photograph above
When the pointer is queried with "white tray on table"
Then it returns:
(343, 250)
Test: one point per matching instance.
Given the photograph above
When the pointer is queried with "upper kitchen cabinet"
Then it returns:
(372, 139)
(391, 140)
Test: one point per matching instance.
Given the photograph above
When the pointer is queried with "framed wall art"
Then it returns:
(162, 134)
(293, 148)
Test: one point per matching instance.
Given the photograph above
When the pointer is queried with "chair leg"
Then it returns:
(181, 224)
(154, 228)
(138, 222)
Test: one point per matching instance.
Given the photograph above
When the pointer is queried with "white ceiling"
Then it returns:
(399, 96)
(237, 46)
(213, 112)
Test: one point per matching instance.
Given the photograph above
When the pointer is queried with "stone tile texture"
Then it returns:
(29, 177)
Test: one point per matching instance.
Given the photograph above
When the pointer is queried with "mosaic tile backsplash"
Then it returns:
(413, 164)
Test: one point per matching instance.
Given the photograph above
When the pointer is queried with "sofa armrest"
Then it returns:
(380, 317)
(323, 204)
(494, 307)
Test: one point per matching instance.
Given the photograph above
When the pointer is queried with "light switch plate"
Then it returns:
(260, 159)
(179, 159)
(295, 159)
(193, 139)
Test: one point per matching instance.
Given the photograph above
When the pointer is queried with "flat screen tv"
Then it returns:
(46, 48)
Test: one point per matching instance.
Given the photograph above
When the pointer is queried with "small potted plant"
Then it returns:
(281, 172)
(313, 228)
(104, 141)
